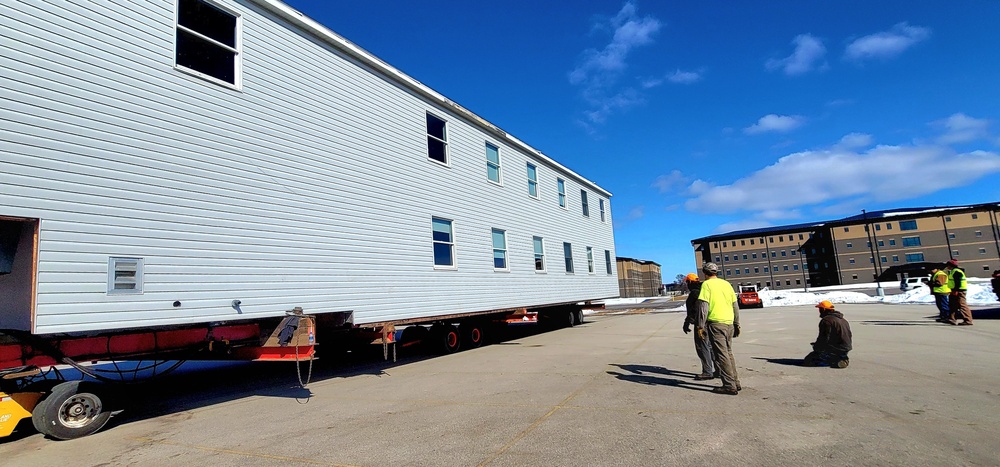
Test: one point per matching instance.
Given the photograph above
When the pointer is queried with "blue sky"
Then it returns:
(703, 117)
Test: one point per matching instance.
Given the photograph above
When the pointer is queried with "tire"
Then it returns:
(448, 340)
(72, 410)
(571, 318)
(473, 334)
(578, 316)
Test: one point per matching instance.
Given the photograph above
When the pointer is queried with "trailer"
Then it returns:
(195, 179)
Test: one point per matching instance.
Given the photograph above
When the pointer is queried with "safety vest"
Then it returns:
(943, 288)
(962, 284)
(720, 297)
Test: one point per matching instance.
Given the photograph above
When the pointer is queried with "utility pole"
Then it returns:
(805, 282)
(878, 284)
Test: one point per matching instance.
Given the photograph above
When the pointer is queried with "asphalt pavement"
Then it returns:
(615, 391)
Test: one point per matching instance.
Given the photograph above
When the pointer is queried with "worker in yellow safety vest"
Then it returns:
(940, 291)
(956, 300)
(719, 318)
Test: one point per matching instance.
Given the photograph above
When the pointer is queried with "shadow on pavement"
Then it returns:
(988, 313)
(651, 375)
(900, 323)
(782, 361)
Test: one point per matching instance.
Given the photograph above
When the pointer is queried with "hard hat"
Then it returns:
(825, 304)
(710, 268)
(691, 277)
(953, 263)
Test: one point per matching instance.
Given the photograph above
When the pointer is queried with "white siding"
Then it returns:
(308, 187)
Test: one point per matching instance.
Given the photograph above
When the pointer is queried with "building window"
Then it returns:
(607, 261)
(584, 203)
(727, 257)
(888, 226)
(798, 281)
(881, 243)
(986, 267)
(718, 260)
(539, 253)
(871, 260)
(783, 253)
(774, 254)
(755, 256)
(444, 242)
(728, 272)
(908, 225)
(437, 139)
(854, 276)
(979, 233)
(723, 244)
(747, 270)
(914, 257)
(568, 255)
(895, 258)
(716, 245)
(532, 181)
(744, 257)
(600, 204)
(743, 243)
(737, 272)
(751, 241)
(982, 251)
(756, 270)
(499, 249)
(878, 227)
(770, 239)
(493, 163)
(590, 260)
(954, 253)
(793, 252)
(975, 216)
(785, 267)
(847, 229)
(911, 241)
(208, 41)
(892, 242)
(947, 218)
(851, 261)
(781, 238)
(884, 260)
(788, 282)
(561, 188)
(951, 236)
(800, 236)
(795, 267)
(850, 245)
(125, 276)
(765, 269)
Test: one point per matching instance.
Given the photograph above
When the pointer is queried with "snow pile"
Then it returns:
(980, 295)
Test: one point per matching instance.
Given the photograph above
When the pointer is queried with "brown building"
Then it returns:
(886, 245)
(638, 278)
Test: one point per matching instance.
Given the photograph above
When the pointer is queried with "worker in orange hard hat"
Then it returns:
(702, 346)
(834, 340)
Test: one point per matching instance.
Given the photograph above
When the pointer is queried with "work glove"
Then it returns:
(700, 332)
(687, 328)
(736, 330)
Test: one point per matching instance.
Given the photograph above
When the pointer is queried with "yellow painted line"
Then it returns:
(234, 452)
(558, 406)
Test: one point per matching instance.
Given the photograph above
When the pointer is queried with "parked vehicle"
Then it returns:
(748, 297)
(910, 283)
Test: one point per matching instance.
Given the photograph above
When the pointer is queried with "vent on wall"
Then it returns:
(124, 275)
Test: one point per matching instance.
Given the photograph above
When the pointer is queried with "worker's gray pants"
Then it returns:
(722, 351)
(704, 349)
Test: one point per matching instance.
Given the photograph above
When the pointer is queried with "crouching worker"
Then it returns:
(834, 340)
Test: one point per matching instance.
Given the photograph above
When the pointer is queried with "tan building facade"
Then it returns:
(883, 246)
(638, 278)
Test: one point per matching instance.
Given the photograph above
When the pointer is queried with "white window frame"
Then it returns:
(561, 189)
(125, 264)
(451, 245)
(590, 261)
(600, 203)
(539, 257)
(447, 148)
(502, 249)
(584, 204)
(238, 50)
(607, 261)
(489, 164)
(532, 182)
(568, 258)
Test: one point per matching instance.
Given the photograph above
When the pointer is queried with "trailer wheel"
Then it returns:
(571, 318)
(71, 411)
(473, 334)
(578, 316)
(447, 337)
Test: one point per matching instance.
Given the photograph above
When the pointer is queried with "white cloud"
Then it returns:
(808, 56)
(775, 123)
(670, 182)
(837, 174)
(855, 140)
(744, 224)
(599, 71)
(886, 44)
(961, 128)
(635, 213)
(684, 77)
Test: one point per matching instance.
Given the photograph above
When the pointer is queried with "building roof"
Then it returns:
(883, 214)
(640, 261)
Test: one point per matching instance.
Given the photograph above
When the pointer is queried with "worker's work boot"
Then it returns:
(841, 363)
